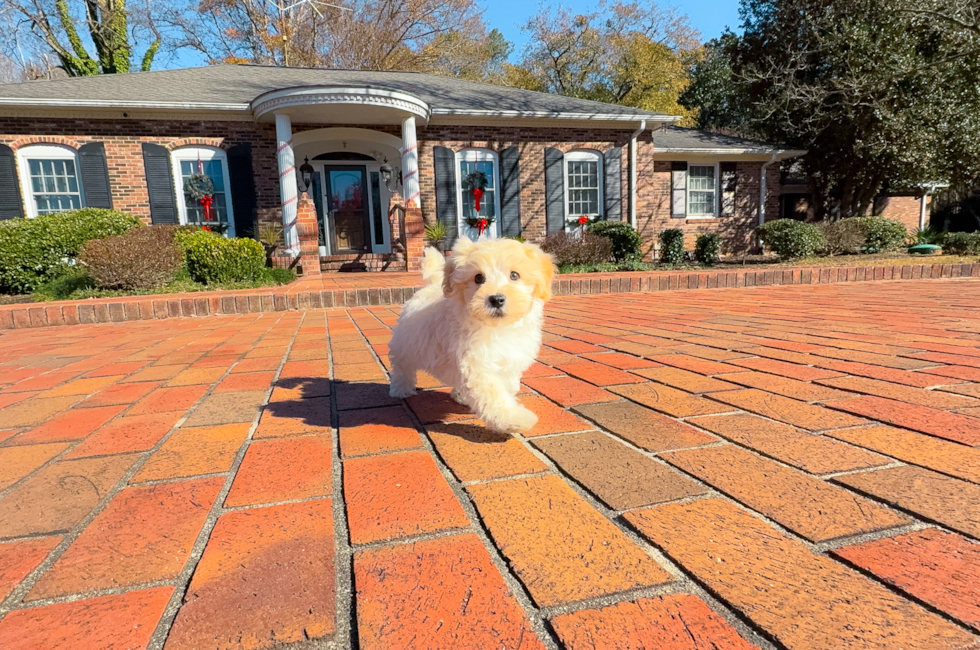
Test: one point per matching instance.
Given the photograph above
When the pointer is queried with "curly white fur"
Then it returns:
(452, 329)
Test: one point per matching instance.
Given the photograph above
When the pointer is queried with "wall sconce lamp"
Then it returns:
(306, 171)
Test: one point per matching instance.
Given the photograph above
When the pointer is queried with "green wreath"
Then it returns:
(476, 180)
(577, 221)
(199, 186)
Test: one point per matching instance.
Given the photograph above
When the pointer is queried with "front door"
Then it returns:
(347, 205)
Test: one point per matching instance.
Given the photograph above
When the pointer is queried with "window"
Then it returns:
(49, 175)
(583, 184)
(214, 164)
(469, 161)
(702, 192)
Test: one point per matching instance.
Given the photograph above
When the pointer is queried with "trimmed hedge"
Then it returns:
(143, 258)
(962, 243)
(791, 239)
(626, 242)
(881, 234)
(706, 248)
(577, 249)
(35, 251)
(212, 258)
(672, 246)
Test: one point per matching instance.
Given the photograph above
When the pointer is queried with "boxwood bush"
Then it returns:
(706, 248)
(881, 234)
(672, 246)
(626, 242)
(962, 243)
(213, 259)
(143, 258)
(35, 251)
(791, 239)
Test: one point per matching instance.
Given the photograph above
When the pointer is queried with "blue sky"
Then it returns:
(710, 17)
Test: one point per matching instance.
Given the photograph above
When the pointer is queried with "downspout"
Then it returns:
(762, 189)
(636, 134)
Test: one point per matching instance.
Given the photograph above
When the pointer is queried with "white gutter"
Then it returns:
(762, 188)
(633, 137)
(108, 103)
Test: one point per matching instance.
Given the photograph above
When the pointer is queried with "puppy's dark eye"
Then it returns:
(479, 279)
(515, 276)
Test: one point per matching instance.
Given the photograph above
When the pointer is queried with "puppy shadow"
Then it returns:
(307, 402)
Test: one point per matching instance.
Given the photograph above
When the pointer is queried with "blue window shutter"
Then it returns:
(444, 161)
(510, 195)
(678, 190)
(11, 205)
(159, 184)
(612, 191)
(95, 175)
(554, 189)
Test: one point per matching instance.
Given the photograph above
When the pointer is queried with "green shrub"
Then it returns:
(928, 235)
(213, 259)
(626, 242)
(881, 234)
(962, 243)
(672, 246)
(578, 249)
(791, 239)
(842, 237)
(139, 259)
(35, 251)
(706, 248)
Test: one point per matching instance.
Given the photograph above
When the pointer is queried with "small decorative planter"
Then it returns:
(925, 249)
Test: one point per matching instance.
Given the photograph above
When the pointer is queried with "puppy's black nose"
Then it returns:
(497, 300)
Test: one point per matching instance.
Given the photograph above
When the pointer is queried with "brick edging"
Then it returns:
(131, 308)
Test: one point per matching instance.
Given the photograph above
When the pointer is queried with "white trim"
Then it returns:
(477, 155)
(717, 184)
(318, 95)
(782, 154)
(45, 152)
(586, 156)
(108, 103)
(192, 154)
(560, 115)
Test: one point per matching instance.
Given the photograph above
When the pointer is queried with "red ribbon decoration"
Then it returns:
(477, 195)
(206, 202)
(482, 224)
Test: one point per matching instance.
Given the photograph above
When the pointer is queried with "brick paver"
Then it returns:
(796, 467)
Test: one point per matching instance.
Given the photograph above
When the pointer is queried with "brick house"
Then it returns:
(378, 153)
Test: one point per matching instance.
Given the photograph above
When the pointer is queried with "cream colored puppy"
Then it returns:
(476, 326)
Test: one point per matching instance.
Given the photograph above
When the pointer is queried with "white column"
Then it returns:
(287, 182)
(410, 163)
(922, 209)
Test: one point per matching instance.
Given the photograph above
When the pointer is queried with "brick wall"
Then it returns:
(905, 209)
(123, 139)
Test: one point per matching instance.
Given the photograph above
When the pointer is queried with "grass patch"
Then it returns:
(78, 286)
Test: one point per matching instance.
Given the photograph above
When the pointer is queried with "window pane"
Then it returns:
(583, 187)
(213, 169)
(487, 207)
(54, 185)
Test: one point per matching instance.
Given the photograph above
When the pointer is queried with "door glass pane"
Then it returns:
(379, 217)
(348, 207)
(487, 203)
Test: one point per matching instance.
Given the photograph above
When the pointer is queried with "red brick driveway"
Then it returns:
(789, 467)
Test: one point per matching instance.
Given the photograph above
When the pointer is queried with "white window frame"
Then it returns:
(204, 154)
(44, 152)
(590, 156)
(717, 191)
(477, 155)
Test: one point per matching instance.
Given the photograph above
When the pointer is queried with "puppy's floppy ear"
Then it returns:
(546, 271)
(448, 286)
(463, 246)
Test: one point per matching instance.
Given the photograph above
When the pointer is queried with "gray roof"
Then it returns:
(233, 87)
(681, 140)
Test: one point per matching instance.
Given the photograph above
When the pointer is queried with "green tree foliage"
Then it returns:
(67, 28)
(622, 53)
(882, 93)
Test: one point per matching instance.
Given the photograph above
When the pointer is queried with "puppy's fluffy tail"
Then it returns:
(433, 266)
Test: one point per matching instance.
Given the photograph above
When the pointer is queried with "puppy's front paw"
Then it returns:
(515, 420)
(401, 392)
(458, 398)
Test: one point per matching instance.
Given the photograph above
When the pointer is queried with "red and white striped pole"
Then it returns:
(410, 163)
(287, 182)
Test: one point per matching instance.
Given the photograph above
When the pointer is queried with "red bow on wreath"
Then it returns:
(206, 202)
(481, 224)
(583, 220)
